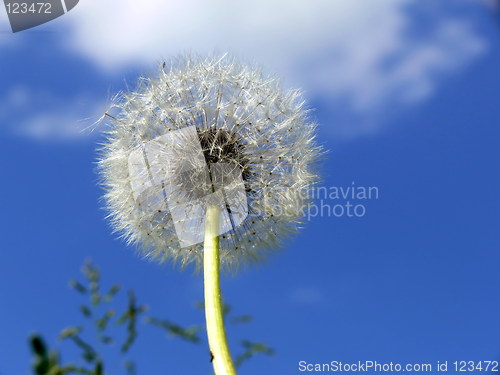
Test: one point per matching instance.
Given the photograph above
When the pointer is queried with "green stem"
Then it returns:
(222, 361)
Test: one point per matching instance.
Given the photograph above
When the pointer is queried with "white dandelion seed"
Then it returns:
(208, 132)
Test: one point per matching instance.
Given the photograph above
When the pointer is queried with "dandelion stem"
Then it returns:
(222, 361)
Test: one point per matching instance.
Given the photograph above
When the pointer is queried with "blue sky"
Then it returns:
(406, 95)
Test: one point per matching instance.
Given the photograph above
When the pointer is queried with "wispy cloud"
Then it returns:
(43, 116)
(367, 55)
(364, 59)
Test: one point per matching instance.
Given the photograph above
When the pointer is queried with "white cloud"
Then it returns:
(356, 52)
(364, 59)
(43, 116)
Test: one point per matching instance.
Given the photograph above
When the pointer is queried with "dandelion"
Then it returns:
(208, 163)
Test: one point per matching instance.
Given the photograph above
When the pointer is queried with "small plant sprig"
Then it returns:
(100, 316)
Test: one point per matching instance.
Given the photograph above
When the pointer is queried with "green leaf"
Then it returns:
(99, 368)
(78, 287)
(189, 334)
(241, 319)
(108, 297)
(88, 352)
(130, 317)
(41, 363)
(70, 332)
(91, 272)
(106, 340)
(38, 346)
(252, 348)
(132, 335)
(226, 309)
(86, 312)
(102, 323)
(95, 299)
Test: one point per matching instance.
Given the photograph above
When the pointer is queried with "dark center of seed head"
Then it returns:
(222, 146)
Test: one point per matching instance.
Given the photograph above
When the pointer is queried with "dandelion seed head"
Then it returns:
(208, 131)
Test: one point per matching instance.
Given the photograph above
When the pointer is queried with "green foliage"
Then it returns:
(189, 334)
(110, 324)
(129, 318)
(46, 362)
(241, 319)
(251, 349)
